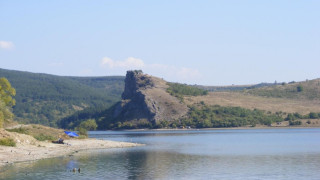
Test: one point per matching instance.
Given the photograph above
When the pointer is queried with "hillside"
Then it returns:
(44, 99)
(150, 102)
(305, 90)
(235, 87)
(276, 98)
(145, 103)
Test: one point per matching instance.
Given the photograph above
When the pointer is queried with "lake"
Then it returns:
(188, 154)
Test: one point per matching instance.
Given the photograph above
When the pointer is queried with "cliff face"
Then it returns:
(145, 98)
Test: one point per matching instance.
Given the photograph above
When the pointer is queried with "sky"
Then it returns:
(194, 42)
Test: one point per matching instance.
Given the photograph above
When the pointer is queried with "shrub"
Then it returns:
(300, 88)
(89, 125)
(176, 89)
(313, 115)
(7, 142)
(294, 123)
(83, 132)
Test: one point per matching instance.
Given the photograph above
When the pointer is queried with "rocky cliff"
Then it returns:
(145, 99)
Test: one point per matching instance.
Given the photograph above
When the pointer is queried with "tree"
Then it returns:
(7, 92)
(89, 124)
(6, 100)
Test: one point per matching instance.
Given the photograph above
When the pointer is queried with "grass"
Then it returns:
(7, 142)
(19, 130)
(249, 101)
(300, 90)
(43, 137)
(39, 132)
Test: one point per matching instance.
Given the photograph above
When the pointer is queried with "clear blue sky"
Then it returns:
(196, 42)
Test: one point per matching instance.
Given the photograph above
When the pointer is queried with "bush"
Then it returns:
(178, 90)
(313, 115)
(300, 88)
(89, 125)
(295, 123)
(7, 142)
(83, 132)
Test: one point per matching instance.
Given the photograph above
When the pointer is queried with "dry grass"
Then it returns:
(311, 90)
(39, 131)
(251, 102)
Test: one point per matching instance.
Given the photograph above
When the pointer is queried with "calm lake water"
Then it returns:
(195, 154)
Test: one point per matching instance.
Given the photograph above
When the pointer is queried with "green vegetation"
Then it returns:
(45, 99)
(199, 116)
(203, 116)
(7, 142)
(134, 124)
(6, 100)
(104, 120)
(44, 137)
(313, 115)
(295, 116)
(82, 132)
(74, 120)
(89, 125)
(180, 90)
(19, 130)
(300, 88)
(294, 123)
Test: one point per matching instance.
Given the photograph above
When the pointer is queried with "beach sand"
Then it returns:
(30, 149)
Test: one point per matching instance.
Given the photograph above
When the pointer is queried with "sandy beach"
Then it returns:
(29, 149)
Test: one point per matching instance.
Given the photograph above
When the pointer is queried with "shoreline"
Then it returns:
(222, 128)
(32, 151)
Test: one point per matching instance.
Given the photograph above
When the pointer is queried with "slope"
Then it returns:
(286, 98)
(145, 104)
(45, 99)
(151, 102)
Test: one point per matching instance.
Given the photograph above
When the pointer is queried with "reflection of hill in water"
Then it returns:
(218, 154)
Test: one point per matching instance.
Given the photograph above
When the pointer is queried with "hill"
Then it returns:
(145, 103)
(150, 102)
(45, 99)
(235, 87)
(281, 97)
(306, 90)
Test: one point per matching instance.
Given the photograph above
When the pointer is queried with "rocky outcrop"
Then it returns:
(145, 98)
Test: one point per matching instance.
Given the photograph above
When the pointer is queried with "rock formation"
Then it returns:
(145, 98)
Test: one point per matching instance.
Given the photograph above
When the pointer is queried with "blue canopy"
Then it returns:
(71, 134)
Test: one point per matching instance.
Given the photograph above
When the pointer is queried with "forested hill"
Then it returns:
(45, 99)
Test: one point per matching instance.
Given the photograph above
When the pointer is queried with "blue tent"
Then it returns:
(71, 134)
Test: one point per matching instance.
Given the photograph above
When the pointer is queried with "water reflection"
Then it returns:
(224, 155)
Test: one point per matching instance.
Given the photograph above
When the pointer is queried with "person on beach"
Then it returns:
(60, 141)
